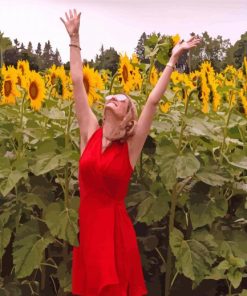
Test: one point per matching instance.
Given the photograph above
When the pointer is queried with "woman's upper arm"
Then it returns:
(87, 120)
(136, 142)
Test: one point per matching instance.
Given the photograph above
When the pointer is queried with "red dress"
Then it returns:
(107, 261)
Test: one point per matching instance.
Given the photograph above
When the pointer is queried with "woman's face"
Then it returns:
(119, 107)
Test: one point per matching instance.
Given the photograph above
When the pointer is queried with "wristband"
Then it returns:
(74, 45)
(170, 65)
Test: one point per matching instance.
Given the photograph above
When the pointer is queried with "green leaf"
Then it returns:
(162, 56)
(152, 40)
(11, 288)
(152, 209)
(202, 127)
(62, 222)
(31, 199)
(204, 209)
(243, 293)
(5, 235)
(235, 278)
(238, 159)
(187, 165)
(8, 184)
(45, 163)
(166, 159)
(211, 178)
(28, 248)
(194, 257)
(224, 265)
(64, 277)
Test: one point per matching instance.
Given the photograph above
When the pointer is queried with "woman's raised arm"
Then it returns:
(144, 123)
(86, 118)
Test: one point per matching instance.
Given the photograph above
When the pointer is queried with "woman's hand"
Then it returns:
(183, 46)
(73, 23)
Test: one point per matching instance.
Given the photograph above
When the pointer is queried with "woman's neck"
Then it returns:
(111, 127)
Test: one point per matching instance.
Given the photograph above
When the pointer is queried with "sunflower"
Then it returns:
(175, 39)
(137, 79)
(154, 76)
(62, 83)
(216, 96)
(9, 91)
(125, 71)
(176, 77)
(206, 67)
(51, 77)
(134, 59)
(230, 74)
(23, 66)
(91, 81)
(245, 66)
(105, 75)
(165, 107)
(243, 100)
(205, 93)
(36, 90)
(194, 78)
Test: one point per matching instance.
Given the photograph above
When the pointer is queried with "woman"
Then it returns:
(107, 261)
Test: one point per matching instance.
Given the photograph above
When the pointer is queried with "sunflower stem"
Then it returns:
(225, 128)
(67, 177)
(113, 78)
(20, 137)
(183, 125)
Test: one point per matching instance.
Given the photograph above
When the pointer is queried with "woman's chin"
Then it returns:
(110, 109)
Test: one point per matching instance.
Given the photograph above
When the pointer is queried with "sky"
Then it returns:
(119, 23)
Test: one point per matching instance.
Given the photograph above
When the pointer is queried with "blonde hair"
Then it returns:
(128, 125)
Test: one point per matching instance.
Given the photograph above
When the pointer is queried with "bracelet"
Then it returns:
(170, 65)
(74, 45)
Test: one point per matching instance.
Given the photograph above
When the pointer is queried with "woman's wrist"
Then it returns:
(173, 60)
(74, 38)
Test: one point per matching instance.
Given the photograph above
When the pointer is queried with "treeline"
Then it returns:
(220, 52)
(39, 58)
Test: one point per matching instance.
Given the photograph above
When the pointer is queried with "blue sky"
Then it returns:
(119, 23)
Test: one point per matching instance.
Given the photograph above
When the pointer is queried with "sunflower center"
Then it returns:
(125, 74)
(19, 80)
(22, 69)
(53, 79)
(7, 88)
(86, 84)
(60, 87)
(33, 90)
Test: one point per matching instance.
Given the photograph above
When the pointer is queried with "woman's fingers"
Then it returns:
(79, 15)
(67, 17)
(70, 14)
(62, 20)
(75, 13)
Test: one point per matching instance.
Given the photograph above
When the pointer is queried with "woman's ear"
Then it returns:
(129, 125)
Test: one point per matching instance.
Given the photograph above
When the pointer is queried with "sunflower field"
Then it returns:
(188, 194)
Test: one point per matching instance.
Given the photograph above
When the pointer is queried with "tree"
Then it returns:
(5, 43)
(47, 56)
(210, 49)
(30, 47)
(57, 58)
(139, 50)
(38, 51)
(108, 59)
(22, 47)
(16, 43)
(237, 52)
